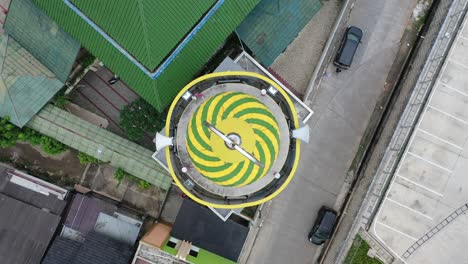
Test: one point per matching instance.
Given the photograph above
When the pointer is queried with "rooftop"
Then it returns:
(28, 80)
(127, 38)
(204, 229)
(28, 218)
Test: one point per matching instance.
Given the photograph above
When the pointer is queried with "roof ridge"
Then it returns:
(143, 26)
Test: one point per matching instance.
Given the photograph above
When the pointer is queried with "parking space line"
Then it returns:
(428, 161)
(461, 36)
(458, 63)
(440, 139)
(451, 88)
(447, 114)
(409, 208)
(419, 185)
(396, 230)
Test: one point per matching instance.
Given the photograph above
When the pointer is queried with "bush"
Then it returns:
(52, 146)
(61, 101)
(10, 134)
(143, 184)
(120, 175)
(86, 159)
(139, 117)
(87, 60)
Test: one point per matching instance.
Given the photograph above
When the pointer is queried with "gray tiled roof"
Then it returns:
(25, 231)
(96, 249)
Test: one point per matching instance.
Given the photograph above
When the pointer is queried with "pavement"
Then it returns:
(307, 48)
(343, 105)
(100, 179)
(425, 206)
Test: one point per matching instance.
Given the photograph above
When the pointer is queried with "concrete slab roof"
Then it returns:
(427, 199)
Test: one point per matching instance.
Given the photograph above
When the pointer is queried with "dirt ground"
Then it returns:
(307, 48)
(63, 169)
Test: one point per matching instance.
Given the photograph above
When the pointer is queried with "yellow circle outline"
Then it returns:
(296, 124)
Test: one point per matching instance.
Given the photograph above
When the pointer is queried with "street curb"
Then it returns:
(254, 229)
(328, 51)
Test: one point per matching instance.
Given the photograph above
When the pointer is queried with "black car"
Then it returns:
(323, 226)
(348, 47)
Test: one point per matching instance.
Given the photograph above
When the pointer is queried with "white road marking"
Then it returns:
(440, 139)
(396, 230)
(409, 208)
(449, 115)
(430, 162)
(451, 88)
(458, 63)
(419, 185)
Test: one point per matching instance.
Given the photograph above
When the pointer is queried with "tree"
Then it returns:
(139, 117)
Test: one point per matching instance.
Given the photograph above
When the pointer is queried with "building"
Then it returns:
(30, 212)
(229, 141)
(197, 236)
(94, 231)
(155, 47)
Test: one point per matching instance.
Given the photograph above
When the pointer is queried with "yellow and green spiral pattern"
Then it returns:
(244, 115)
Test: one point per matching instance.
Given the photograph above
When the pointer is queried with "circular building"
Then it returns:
(230, 138)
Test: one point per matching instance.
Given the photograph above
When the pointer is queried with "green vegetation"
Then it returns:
(249, 211)
(120, 175)
(358, 253)
(142, 184)
(11, 134)
(139, 117)
(85, 158)
(87, 60)
(61, 101)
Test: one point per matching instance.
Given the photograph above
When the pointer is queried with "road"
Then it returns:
(343, 105)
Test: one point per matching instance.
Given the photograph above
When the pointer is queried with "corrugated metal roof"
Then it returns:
(117, 229)
(25, 84)
(183, 68)
(148, 29)
(97, 249)
(100, 143)
(21, 239)
(42, 37)
(199, 225)
(274, 24)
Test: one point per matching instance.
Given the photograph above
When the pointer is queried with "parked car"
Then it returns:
(324, 226)
(349, 44)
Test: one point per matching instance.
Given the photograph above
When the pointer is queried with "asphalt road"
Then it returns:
(343, 105)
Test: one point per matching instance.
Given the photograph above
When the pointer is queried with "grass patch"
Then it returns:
(358, 253)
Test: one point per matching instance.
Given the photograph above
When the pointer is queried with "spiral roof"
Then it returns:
(239, 114)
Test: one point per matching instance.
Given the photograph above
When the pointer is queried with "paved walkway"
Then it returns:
(429, 184)
(342, 105)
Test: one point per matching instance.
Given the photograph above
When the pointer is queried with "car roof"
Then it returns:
(347, 54)
(355, 31)
(328, 220)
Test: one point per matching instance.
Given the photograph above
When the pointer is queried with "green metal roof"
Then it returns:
(100, 143)
(274, 24)
(42, 37)
(136, 29)
(25, 84)
(150, 31)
